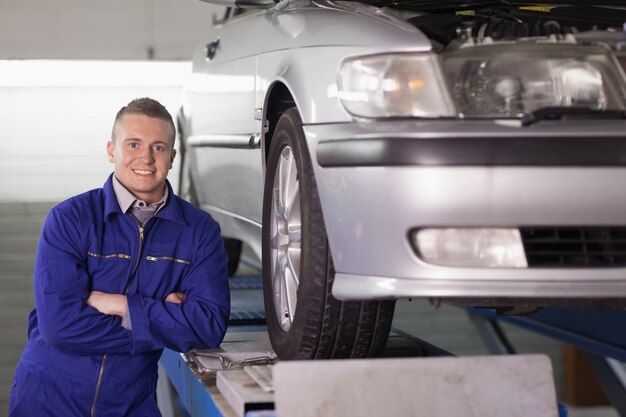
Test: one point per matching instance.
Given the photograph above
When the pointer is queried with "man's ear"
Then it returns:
(172, 158)
(111, 151)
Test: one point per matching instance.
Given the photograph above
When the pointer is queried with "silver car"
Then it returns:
(401, 149)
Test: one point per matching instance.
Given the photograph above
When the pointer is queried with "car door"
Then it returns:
(224, 127)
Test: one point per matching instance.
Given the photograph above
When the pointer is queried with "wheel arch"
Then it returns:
(278, 100)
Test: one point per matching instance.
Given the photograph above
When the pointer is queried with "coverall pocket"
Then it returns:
(34, 390)
(106, 264)
(132, 399)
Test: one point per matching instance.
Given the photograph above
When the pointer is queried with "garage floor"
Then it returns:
(447, 327)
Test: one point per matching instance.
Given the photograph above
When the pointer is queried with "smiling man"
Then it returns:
(121, 272)
(142, 151)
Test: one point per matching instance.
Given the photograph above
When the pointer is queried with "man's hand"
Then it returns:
(176, 297)
(114, 304)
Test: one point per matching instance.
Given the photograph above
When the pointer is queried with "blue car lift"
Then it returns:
(200, 397)
(601, 334)
(197, 391)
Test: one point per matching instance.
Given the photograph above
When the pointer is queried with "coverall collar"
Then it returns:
(171, 211)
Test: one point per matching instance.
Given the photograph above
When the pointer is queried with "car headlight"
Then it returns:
(503, 81)
(513, 80)
(394, 85)
(471, 247)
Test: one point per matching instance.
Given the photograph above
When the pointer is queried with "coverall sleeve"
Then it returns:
(62, 285)
(198, 322)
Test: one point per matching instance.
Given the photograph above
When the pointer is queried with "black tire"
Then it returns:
(322, 327)
(233, 249)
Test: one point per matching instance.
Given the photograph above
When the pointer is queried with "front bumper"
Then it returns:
(378, 181)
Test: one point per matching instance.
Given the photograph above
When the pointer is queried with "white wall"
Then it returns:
(103, 29)
(54, 123)
(54, 128)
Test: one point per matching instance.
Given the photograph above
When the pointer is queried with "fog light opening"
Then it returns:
(471, 247)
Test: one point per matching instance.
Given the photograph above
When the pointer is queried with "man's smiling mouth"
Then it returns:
(142, 171)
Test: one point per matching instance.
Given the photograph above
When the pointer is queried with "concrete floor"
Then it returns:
(447, 327)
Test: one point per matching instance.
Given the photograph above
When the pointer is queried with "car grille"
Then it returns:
(575, 247)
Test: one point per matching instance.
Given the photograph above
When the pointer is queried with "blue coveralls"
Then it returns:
(80, 362)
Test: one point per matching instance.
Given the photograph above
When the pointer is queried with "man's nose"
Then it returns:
(147, 154)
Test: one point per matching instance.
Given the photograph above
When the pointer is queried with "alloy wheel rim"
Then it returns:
(285, 238)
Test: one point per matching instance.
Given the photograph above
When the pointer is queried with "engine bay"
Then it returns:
(449, 26)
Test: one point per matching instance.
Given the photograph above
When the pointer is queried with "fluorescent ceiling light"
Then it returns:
(75, 73)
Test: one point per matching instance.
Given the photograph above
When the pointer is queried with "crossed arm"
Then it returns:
(73, 318)
(117, 304)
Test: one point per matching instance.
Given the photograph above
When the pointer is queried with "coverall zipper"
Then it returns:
(115, 255)
(98, 385)
(167, 258)
(138, 255)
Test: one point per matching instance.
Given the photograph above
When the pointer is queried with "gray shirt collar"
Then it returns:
(126, 199)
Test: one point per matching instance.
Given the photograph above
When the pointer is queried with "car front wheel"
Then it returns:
(304, 320)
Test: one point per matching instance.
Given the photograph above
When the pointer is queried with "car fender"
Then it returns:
(303, 50)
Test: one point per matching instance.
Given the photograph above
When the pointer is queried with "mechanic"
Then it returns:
(121, 272)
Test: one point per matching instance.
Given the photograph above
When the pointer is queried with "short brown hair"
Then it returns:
(148, 107)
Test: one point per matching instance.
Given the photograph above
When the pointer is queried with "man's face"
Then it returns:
(142, 151)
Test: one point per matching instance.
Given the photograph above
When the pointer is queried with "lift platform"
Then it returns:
(230, 383)
(242, 378)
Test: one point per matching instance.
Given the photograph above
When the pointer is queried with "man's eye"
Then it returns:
(134, 145)
(159, 148)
